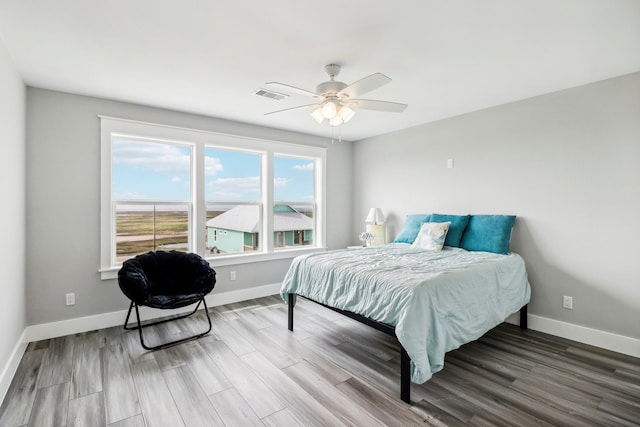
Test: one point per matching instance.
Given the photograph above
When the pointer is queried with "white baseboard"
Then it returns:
(12, 365)
(595, 337)
(116, 318)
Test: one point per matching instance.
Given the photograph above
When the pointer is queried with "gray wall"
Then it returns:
(12, 221)
(567, 164)
(63, 201)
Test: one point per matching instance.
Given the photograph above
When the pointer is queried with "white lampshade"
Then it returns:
(317, 115)
(346, 113)
(375, 216)
(329, 109)
(335, 120)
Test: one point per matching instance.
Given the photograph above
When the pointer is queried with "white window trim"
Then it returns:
(200, 140)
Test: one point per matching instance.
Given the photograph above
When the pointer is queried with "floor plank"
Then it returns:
(233, 409)
(191, 400)
(309, 410)
(57, 364)
(135, 421)
(17, 406)
(253, 390)
(389, 411)
(50, 406)
(277, 354)
(87, 411)
(329, 396)
(208, 374)
(156, 401)
(87, 375)
(120, 396)
(282, 418)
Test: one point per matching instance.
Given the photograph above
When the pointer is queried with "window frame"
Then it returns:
(200, 140)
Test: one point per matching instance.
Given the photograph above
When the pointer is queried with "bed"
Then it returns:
(433, 301)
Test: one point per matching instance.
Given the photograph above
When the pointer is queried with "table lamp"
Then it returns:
(376, 226)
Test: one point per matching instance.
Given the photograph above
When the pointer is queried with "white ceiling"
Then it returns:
(446, 57)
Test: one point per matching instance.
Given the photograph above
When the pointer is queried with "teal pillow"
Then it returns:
(488, 233)
(456, 229)
(411, 228)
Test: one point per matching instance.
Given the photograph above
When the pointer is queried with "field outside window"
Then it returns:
(149, 227)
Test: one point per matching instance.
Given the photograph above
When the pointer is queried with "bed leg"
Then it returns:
(290, 301)
(523, 317)
(405, 376)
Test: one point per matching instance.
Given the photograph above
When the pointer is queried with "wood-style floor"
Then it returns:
(332, 371)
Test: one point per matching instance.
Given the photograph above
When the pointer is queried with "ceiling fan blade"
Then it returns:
(292, 89)
(293, 108)
(367, 84)
(369, 104)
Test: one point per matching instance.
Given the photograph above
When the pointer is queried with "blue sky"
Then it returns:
(155, 171)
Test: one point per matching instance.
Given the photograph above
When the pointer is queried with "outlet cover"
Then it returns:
(567, 302)
(71, 299)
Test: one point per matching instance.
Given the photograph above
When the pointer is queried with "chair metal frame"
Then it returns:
(171, 343)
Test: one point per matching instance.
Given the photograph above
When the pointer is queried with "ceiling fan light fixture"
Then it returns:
(317, 115)
(329, 110)
(336, 120)
(346, 113)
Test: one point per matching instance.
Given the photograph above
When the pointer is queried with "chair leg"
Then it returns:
(171, 343)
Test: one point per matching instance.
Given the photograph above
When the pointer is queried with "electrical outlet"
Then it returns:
(71, 299)
(567, 302)
(232, 275)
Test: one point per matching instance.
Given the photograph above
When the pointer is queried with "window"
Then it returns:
(168, 188)
(233, 200)
(151, 195)
(294, 192)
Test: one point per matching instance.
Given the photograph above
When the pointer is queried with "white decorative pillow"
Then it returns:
(431, 236)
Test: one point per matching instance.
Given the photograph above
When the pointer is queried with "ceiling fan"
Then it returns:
(337, 100)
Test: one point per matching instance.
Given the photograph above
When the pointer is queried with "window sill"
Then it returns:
(221, 261)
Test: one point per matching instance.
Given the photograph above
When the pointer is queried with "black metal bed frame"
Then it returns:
(405, 360)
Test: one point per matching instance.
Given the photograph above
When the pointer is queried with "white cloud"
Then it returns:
(129, 195)
(233, 188)
(280, 182)
(307, 167)
(157, 157)
(176, 179)
(212, 166)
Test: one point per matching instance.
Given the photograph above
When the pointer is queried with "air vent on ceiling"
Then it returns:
(271, 94)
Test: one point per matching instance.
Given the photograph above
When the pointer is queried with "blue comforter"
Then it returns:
(436, 301)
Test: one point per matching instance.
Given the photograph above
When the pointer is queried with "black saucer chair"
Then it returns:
(166, 280)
